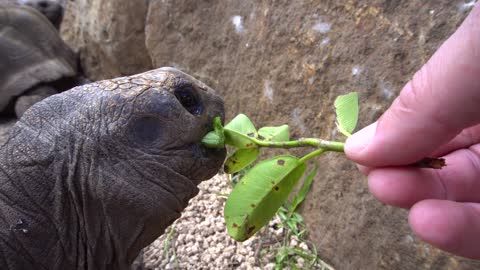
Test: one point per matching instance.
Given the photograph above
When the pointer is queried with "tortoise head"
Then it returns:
(128, 148)
(150, 120)
(162, 115)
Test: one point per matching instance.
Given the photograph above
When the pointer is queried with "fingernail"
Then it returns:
(361, 139)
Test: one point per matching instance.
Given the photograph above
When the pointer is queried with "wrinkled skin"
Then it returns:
(92, 175)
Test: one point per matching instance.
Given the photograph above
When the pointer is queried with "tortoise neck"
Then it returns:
(48, 210)
(35, 208)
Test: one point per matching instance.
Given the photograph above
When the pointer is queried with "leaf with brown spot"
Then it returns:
(250, 230)
(240, 159)
(266, 186)
(275, 134)
(240, 132)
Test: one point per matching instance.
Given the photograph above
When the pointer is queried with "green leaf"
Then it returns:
(281, 256)
(292, 225)
(282, 215)
(303, 191)
(215, 138)
(212, 140)
(275, 134)
(240, 159)
(260, 193)
(346, 108)
(240, 132)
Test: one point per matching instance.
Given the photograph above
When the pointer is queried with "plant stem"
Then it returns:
(324, 145)
(304, 142)
(312, 154)
(166, 245)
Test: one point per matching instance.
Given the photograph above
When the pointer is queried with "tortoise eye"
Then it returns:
(189, 100)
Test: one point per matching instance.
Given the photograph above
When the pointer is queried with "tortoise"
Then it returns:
(92, 175)
(52, 9)
(35, 62)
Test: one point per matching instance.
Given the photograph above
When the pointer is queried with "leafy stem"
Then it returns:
(303, 142)
(312, 155)
(264, 188)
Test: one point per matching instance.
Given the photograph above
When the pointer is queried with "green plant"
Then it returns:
(266, 186)
(167, 247)
(294, 252)
(293, 223)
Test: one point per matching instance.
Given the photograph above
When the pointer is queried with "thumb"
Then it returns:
(442, 99)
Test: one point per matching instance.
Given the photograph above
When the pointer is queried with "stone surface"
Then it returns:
(285, 62)
(107, 33)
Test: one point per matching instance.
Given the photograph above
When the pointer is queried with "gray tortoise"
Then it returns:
(52, 9)
(90, 176)
(34, 61)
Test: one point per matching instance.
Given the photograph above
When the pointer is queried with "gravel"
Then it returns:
(199, 240)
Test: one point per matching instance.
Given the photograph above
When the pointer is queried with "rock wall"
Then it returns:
(284, 62)
(108, 35)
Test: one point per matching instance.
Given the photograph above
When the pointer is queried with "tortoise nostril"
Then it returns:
(189, 100)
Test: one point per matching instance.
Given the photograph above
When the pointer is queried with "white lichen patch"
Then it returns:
(386, 90)
(408, 239)
(356, 70)
(298, 121)
(325, 41)
(237, 22)
(334, 132)
(268, 91)
(322, 27)
(466, 6)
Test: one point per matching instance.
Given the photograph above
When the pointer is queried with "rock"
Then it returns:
(293, 243)
(107, 33)
(285, 63)
(303, 246)
(270, 266)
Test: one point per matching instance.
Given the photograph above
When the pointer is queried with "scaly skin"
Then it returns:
(91, 176)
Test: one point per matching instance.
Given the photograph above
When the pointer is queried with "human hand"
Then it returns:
(436, 114)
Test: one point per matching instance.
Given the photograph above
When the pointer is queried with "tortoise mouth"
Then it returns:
(208, 161)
